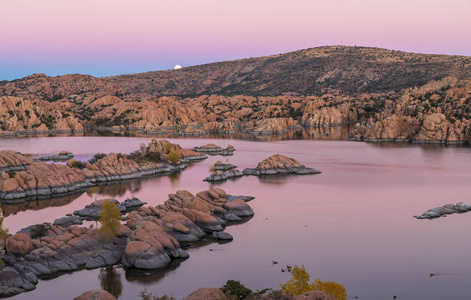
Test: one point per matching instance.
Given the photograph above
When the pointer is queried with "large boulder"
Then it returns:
(96, 295)
(206, 293)
(19, 244)
(314, 295)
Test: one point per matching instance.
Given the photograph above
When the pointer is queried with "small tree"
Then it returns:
(109, 221)
(174, 155)
(299, 284)
(40, 230)
(236, 289)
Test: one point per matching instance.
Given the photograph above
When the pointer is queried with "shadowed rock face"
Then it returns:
(150, 239)
(279, 164)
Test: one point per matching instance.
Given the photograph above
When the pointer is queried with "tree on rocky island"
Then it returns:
(40, 230)
(109, 221)
(174, 155)
(299, 284)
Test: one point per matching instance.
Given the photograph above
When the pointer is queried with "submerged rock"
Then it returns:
(279, 164)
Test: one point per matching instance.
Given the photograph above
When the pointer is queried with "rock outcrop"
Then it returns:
(206, 293)
(150, 239)
(213, 149)
(12, 161)
(221, 176)
(279, 164)
(220, 166)
(448, 209)
(41, 180)
(96, 295)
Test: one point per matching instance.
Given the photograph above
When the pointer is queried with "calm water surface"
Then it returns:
(352, 224)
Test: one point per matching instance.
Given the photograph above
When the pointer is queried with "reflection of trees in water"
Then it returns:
(277, 179)
(174, 178)
(110, 281)
(114, 190)
(12, 209)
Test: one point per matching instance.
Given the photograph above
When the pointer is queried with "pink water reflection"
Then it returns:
(352, 224)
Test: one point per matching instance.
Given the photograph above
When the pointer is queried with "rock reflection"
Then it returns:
(110, 281)
(13, 209)
(152, 276)
(278, 179)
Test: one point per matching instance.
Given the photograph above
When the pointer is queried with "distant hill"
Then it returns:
(314, 71)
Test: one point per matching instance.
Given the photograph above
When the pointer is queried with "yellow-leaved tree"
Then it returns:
(109, 221)
(174, 155)
(299, 284)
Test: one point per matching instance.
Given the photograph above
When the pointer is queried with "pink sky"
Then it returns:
(107, 37)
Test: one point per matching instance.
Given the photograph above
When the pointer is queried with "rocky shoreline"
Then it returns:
(150, 239)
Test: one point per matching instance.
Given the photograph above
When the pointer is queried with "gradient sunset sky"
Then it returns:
(110, 37)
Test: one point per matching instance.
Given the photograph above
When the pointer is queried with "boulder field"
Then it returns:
(279, 164)
(150, 239)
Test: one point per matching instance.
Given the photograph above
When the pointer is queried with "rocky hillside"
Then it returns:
(313, 71)
(389, 95)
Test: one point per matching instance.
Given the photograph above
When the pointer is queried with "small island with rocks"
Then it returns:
(213, 149)
(280, 164)
(442, 211)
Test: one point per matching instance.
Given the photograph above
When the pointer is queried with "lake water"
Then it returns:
(352, 224)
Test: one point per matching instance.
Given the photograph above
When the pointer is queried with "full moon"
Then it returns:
(177, 67)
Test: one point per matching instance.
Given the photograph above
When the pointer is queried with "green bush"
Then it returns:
(237, 289)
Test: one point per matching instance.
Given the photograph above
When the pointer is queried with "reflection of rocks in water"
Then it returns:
(12, 209)
(277, 179)
(114, 190)
(326, 133)
(110, 281)
(152, 276)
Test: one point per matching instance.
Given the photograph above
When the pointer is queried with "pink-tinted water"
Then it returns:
(352, 224)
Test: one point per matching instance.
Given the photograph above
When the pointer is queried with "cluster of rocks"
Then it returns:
(213, 149)
(223, 175)
(42, 180)
(220, 166)
(61, 156)
(149, 240)
(92, 211)
(279, 164)
(213, 293)
(448, 209)
(13, 161)
(272, 126)
(434, 129)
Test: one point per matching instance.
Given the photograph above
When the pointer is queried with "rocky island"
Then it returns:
(280, 164)
(150, 239)
(442, 211)
(42, 180)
